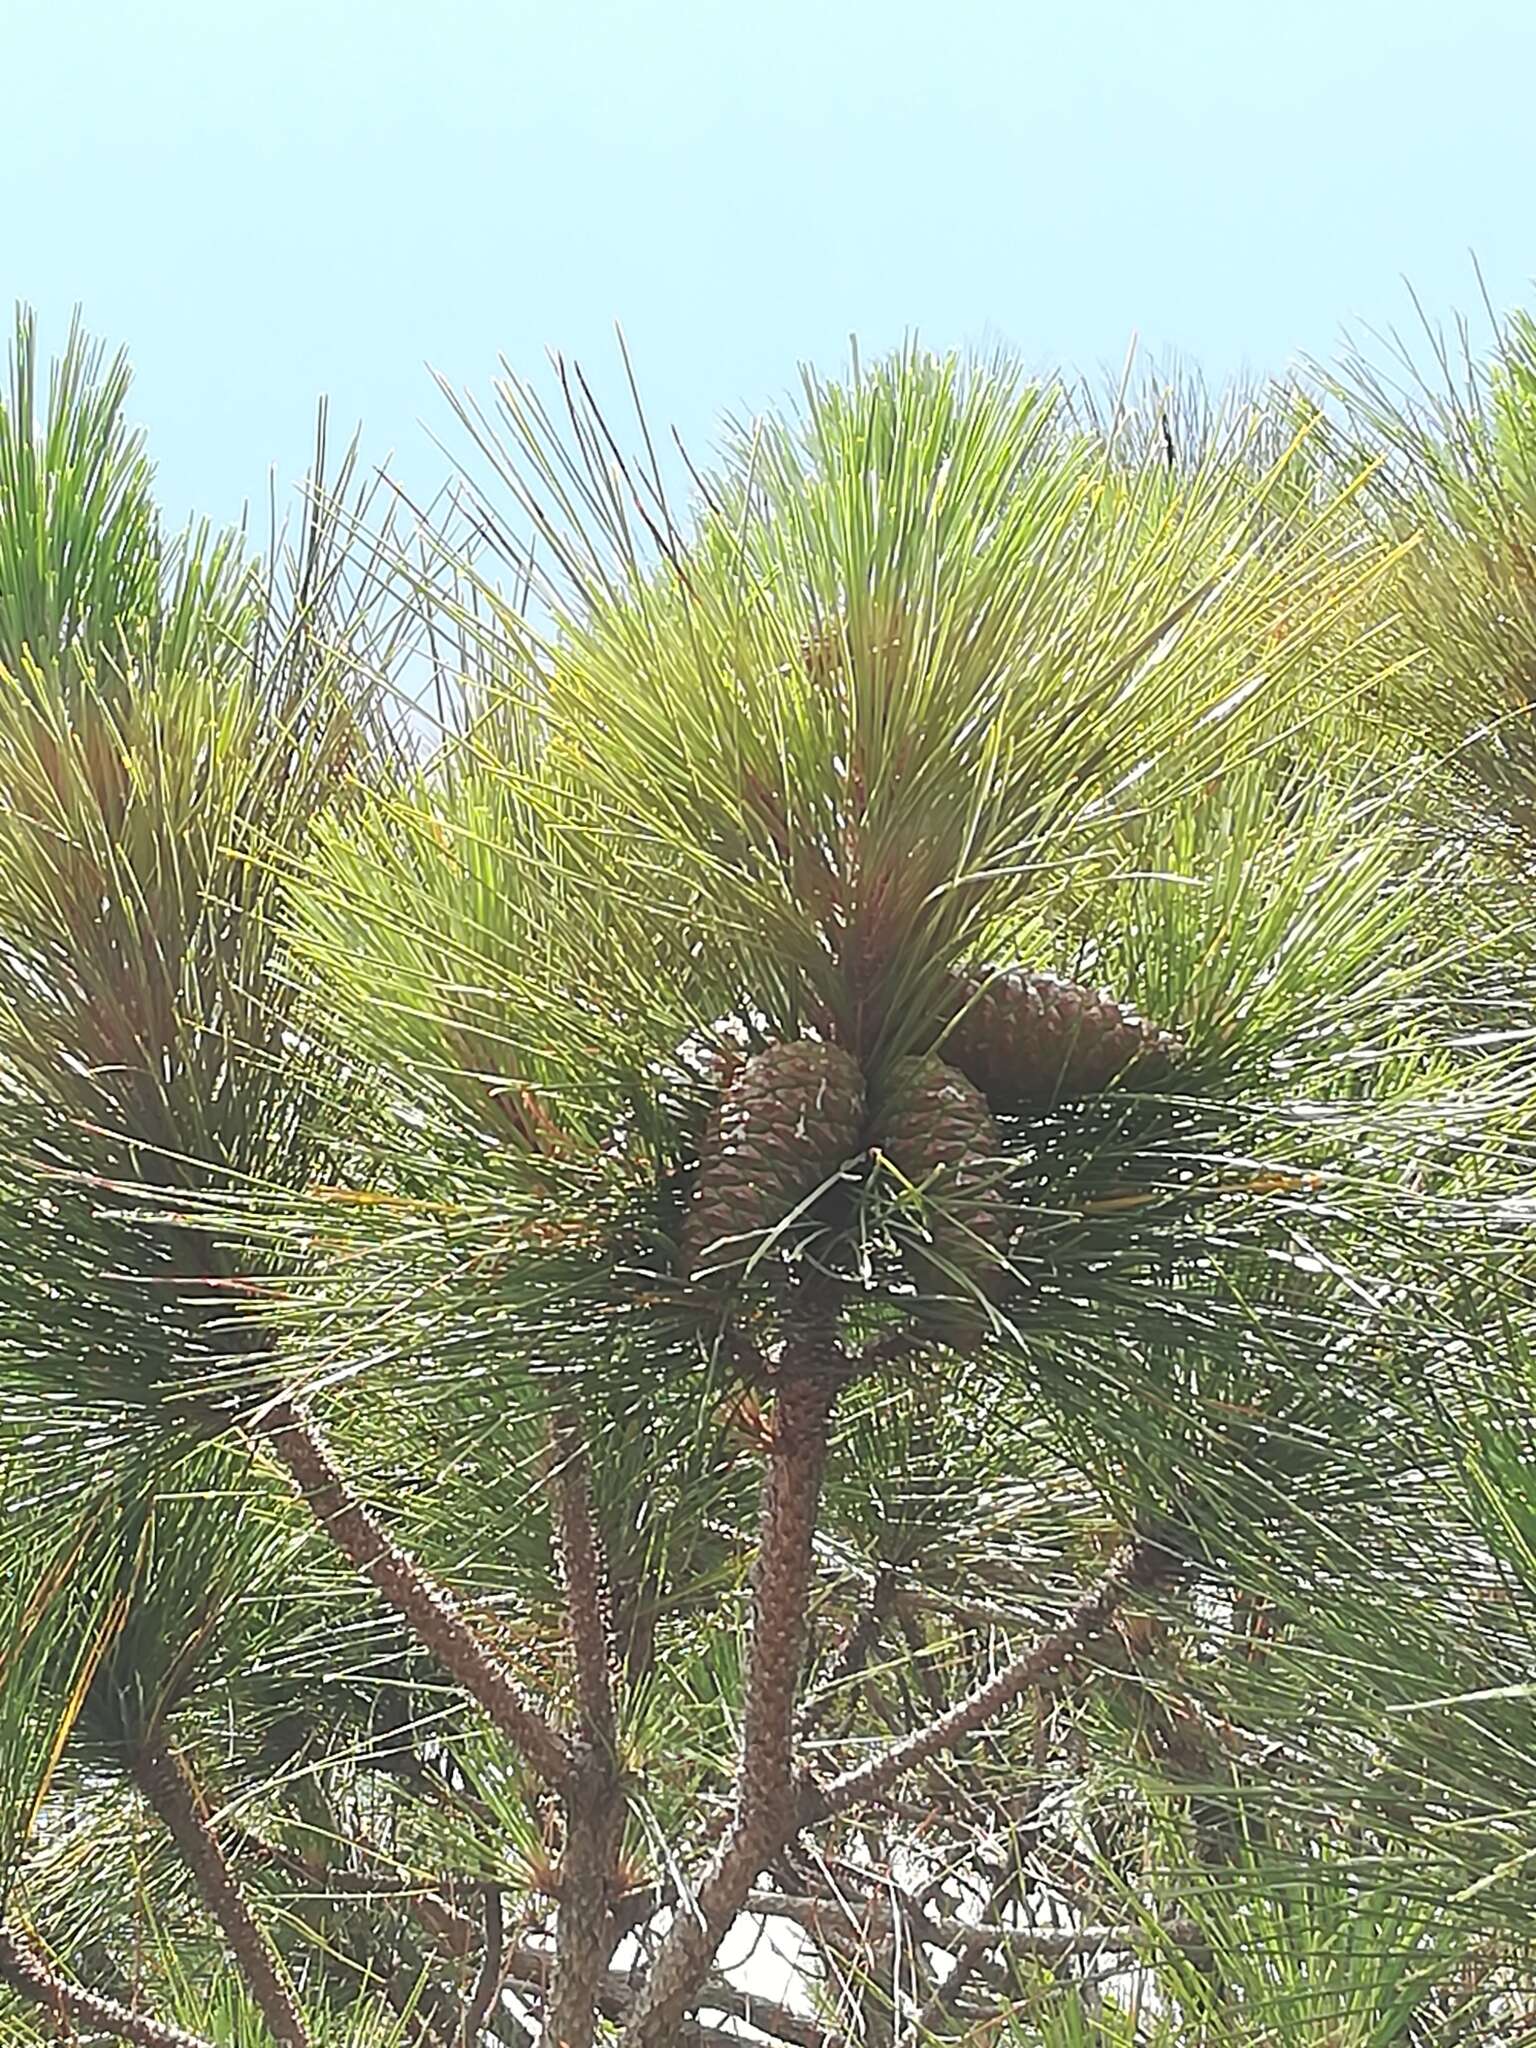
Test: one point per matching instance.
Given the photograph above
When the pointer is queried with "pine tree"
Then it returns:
(576, 1377)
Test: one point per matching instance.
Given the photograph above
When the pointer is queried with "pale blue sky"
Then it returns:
(270, 200)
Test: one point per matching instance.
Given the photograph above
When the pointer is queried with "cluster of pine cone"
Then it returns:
(798, 1112)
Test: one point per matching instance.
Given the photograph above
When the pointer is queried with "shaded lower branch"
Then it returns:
(25, 1972)
(439, 2018)
(168, 1786)
(619, 1991)
(944, 1931)
(1004, 1891)
(453, 1933)
(1141, 1565)
(857, 1648)
(492, 1962)
(431, 1613)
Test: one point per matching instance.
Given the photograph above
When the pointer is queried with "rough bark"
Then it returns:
(25, 1972)
(592, 1796)
(584, 1573)
(430, 1612)
(808, 1381)
(585, 1931)
(169, 1788)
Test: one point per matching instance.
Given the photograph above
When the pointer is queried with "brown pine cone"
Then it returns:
(1030, 1041)
(938, 1133)
(789, 1119)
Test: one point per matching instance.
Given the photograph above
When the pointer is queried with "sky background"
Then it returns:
(269, 201)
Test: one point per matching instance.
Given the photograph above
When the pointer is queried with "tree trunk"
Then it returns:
(765, 1800)
(585, 1933)
(593, 1798)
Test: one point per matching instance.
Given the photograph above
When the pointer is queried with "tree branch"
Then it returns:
(434, 1617)
(592, 1796)
(172, 1793)
(620, 1990)
(854, 1654)
(697, 2034)
(1140, 1565)
(585, 1930)
(27, 1974)
(830, 1917)
(452, 1932)
(492, 1964)
(1005, 1890)
(585, 1573)
(809, 1375)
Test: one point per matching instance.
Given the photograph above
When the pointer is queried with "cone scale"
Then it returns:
(938, 1134)
(786, 1123)
(1031, 1041)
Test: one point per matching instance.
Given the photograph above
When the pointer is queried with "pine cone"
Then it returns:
(785, 1124)
(1029, 1041)
(938, 1133)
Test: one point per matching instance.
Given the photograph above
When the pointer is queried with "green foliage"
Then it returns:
(1452, 445)
(382, 1071)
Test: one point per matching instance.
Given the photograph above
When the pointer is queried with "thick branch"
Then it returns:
(1141, 1565)
(619, 1991)
(170, 1790)
(592, 1796)
(585, 1930)
(25, 1972)
(585, 1574)
(431, 1613)
(809, 1376)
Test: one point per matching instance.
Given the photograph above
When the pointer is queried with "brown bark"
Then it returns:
(809, 1377)
(431, 1613)
(585, 1931)
(492, 1962)
(25, 1972)
(585, 1575)
(168, 1786)
(1141, 1565)
(619, 1990)
(592, 1796)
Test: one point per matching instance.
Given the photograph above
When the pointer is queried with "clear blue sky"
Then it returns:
(270, 200)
